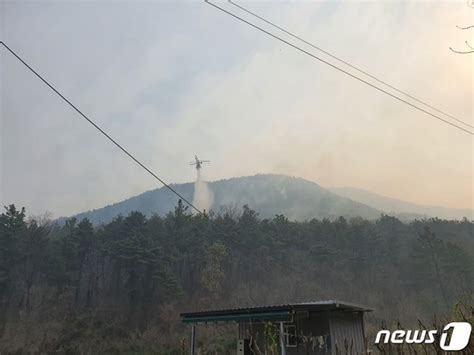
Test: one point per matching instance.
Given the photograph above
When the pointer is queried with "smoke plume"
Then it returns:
(203, 196)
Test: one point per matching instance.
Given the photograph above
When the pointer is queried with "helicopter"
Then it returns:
(198, 163)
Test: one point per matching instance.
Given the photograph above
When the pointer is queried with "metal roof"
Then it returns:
(281, 312)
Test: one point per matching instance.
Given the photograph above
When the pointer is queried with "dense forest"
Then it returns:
(270, 194)
(119, 287)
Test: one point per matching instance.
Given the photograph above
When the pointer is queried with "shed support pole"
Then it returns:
(282, 340)
(193, 336)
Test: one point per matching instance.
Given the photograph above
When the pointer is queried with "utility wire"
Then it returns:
(100, 129)
(337, 68)
(215, 225)
(349, 64)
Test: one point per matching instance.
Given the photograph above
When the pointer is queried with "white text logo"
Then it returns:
(454, 337)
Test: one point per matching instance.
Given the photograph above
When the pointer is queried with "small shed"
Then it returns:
(318, 327)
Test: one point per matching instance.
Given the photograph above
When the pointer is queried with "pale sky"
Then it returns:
(172, 79)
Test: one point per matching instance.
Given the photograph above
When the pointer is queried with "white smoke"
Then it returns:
(203, 197)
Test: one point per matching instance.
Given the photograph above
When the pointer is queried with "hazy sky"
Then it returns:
(172, 79)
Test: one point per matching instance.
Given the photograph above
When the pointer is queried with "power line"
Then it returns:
(349, 64)
(337, 68)
(100, 129)
(217, 226)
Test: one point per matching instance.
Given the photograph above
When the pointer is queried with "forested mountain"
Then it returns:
(296, 198)
(119, 287)
(399, 207)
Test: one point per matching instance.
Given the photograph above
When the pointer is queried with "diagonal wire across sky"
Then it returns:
(167, 185)
(380, 81)
(333, 66)
(96, 126)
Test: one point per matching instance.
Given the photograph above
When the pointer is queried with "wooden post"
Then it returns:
(193, 336)
(282, 340)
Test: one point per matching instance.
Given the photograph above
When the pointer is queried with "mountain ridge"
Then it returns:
(392, 205)
(267, 194)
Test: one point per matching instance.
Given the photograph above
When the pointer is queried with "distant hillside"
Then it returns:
(404, 210)
(296, 198)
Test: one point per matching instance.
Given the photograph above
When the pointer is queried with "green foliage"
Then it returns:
(12, 231)
(213, 273)
(122, 280)
(271, 336)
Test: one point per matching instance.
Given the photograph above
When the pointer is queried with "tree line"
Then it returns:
(120, 286)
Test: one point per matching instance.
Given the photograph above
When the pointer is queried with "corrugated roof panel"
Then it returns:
(248, 317)
(249, 312)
